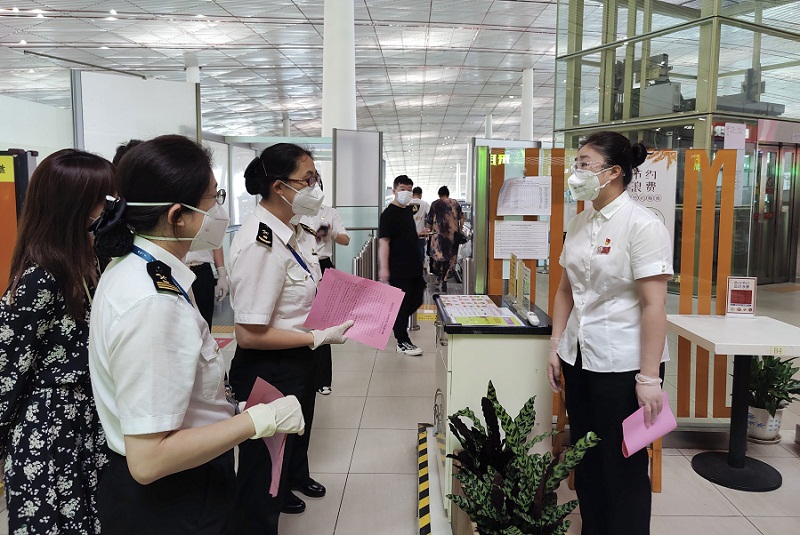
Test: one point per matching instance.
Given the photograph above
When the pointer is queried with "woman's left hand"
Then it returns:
(649, 397)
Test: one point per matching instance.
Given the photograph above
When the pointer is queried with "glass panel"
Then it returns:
(778, 15)
(359, 216)
(241, 202)
(762, 84)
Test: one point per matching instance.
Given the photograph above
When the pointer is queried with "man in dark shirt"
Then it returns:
(399, 262)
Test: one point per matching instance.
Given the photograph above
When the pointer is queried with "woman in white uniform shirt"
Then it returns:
(609, 330)
(273, 279)
(157, 373)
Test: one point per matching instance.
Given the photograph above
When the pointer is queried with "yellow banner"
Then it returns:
(6, 169)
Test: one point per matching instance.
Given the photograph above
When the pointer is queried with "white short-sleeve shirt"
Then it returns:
(327, 216)
(268, 284)
(420, 210)
(604, 254)
(154, 365)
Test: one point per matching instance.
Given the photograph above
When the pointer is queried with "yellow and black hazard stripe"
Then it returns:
(424, 504)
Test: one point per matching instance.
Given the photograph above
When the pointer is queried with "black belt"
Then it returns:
(199, 266)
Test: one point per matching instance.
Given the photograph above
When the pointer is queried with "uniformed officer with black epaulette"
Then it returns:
(157, 373)
(274, 276)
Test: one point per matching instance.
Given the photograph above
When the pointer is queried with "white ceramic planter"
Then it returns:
(762, 425)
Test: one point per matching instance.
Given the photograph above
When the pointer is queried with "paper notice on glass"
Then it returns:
(263, 392)
(526, 239)
(372, 305)
(528, 195)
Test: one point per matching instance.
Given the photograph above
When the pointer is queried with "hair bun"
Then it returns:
(112, 237)
(638, 154)
(251, 181)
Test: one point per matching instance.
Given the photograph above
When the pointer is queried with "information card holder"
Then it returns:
(512, 279)
(741, 297)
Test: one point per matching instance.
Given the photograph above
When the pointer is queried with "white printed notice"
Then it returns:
(528, 195)
(653, 186)
(372, 305)
(526, 239)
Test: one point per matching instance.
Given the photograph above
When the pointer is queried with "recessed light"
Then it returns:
(113, 11)
(23, 42)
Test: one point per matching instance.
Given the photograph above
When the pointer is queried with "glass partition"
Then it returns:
(241, 202)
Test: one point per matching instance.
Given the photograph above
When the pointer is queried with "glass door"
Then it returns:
(773, 233)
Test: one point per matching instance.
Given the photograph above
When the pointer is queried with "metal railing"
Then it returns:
(365, 264)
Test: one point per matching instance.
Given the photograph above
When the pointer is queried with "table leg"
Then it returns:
(735, 470)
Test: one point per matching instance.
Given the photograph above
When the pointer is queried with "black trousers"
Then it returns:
(414, 288)
(614, 492)
(203, 290)
(194, 501)
(292, 372)
(324, 375)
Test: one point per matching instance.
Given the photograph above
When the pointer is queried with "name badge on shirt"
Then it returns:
(606, 248)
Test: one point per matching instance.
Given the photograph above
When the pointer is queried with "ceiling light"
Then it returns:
(113, 11)
(200, 16)
(15, 9)
(111, 18)
(103, 48)
(39, 16)
(23, 42)
(31, 71)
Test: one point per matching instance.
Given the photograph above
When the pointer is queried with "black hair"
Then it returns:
(417, 191)
(444, 191)
(617, 150)
(276, 162)
(122, 149)
(402, 179)
(64, 191)
(169, 169)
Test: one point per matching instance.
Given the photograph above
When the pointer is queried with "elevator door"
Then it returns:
(773, 234)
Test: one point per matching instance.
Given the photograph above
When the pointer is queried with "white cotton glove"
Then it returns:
(284, 415)
(221, 289)
(331, 335)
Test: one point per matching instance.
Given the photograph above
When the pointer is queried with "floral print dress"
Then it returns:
(50, 434)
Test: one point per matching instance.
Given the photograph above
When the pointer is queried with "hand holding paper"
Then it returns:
(636, 435)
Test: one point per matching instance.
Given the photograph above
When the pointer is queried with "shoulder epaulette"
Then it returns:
(162, 277)
(264, 235)
(308, 229)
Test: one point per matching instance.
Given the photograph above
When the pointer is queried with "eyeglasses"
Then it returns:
(310, 182)
(583, 165)
(219, 196)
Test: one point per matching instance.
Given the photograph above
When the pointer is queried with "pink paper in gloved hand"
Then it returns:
(635, 435)
(263, 392)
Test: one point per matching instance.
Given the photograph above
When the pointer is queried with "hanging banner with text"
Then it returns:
(653, 186)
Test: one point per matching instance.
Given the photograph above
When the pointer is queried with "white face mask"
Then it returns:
(403, 197)
(585, 184)
(307, 201)
(212, 230)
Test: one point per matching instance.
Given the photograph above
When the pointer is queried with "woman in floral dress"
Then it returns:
(50, 434)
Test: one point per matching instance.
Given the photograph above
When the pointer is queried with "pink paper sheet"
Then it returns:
(636, 436)
(263, 392)
(372, 305)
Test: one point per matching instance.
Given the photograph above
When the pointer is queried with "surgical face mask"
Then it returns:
(584, 184)
(212, 230)
(404, 197)
(307, 201)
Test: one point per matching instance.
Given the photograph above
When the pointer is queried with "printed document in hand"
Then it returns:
(263, 392)
(372, 305)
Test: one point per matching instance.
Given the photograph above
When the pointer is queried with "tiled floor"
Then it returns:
(364, 450)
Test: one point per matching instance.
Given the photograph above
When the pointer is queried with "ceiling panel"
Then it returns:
(427, 71)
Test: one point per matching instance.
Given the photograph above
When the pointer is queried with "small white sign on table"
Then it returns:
(741, 296)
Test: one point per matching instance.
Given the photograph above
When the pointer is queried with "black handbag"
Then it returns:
(459, 238)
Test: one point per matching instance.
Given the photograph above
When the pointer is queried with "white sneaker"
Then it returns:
(409, 349)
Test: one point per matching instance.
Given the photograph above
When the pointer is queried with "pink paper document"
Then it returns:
(636, 436)
(372, 305)
(263, 392)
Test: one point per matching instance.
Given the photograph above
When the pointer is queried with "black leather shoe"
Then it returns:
(311, 488)
(292, 505)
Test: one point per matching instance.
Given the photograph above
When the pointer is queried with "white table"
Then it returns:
(743, 338)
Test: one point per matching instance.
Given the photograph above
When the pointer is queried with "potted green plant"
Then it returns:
(507, 489)
(772, 387)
